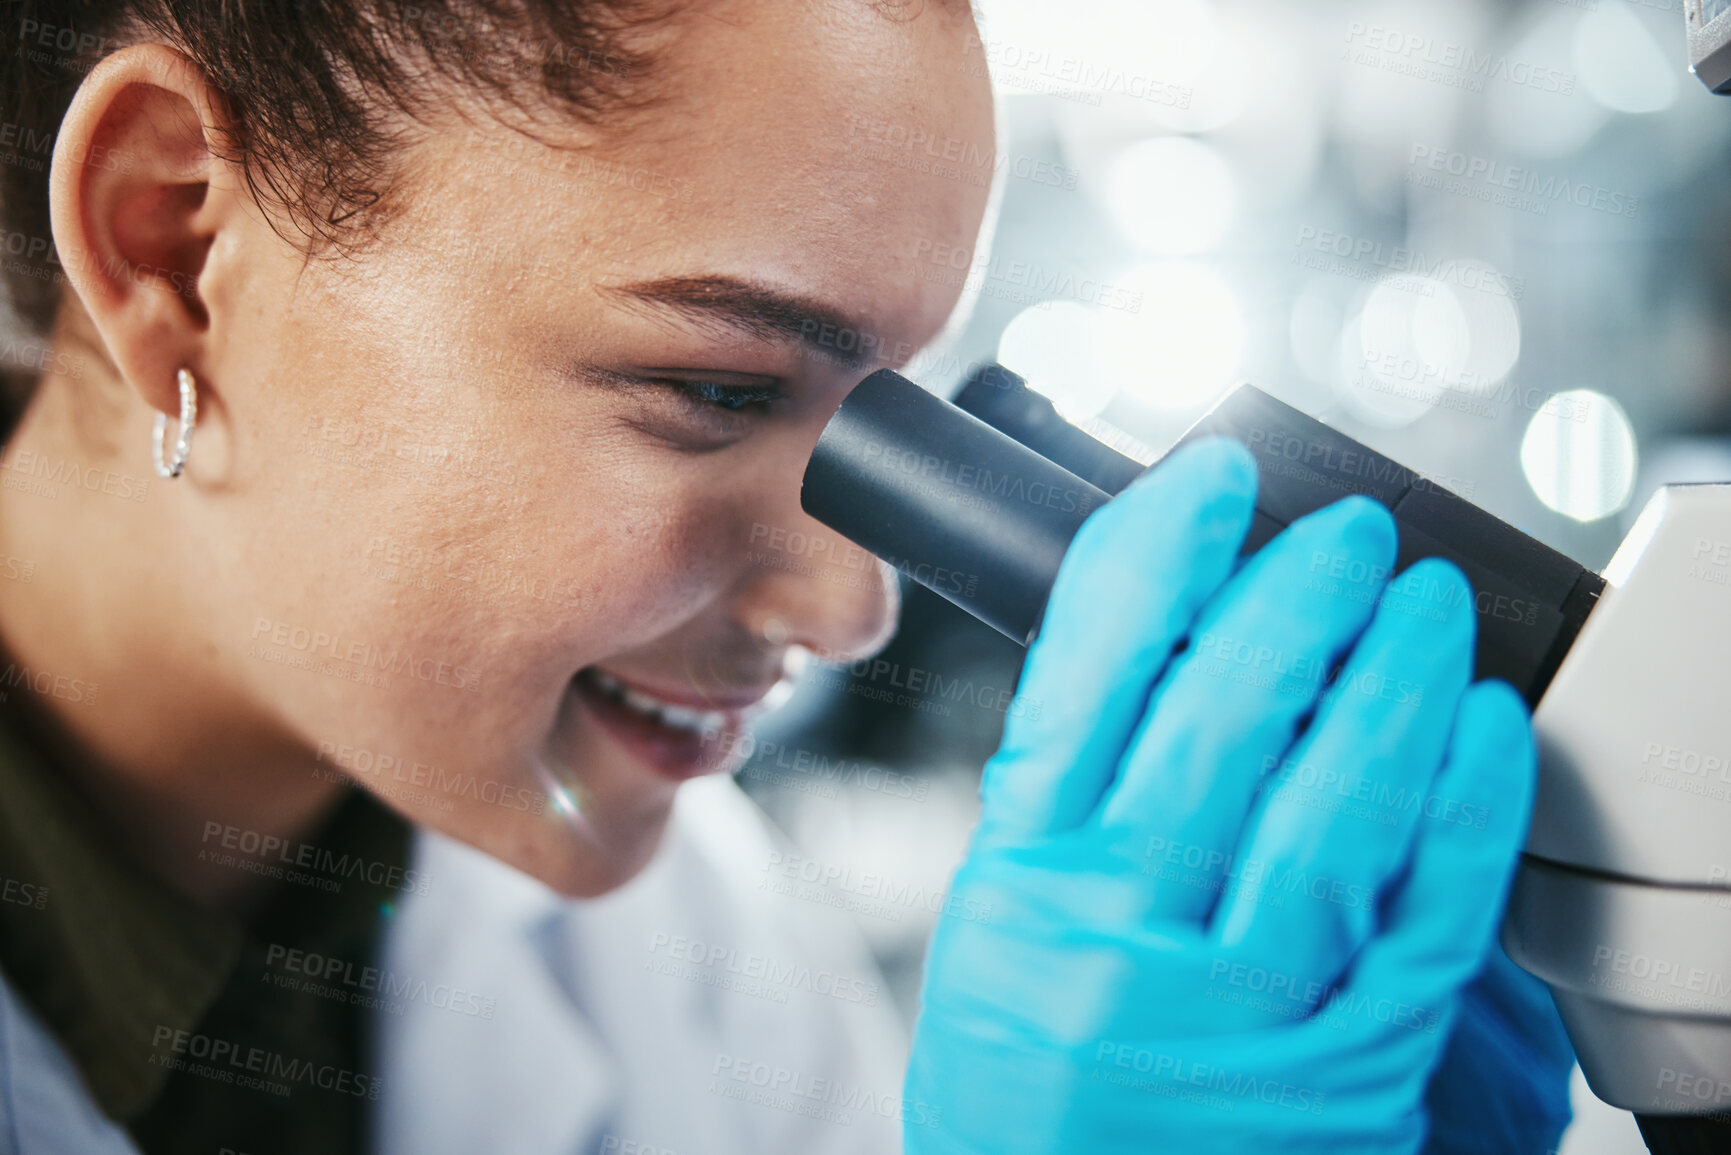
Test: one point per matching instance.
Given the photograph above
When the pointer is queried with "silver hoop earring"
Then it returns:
(183, 438)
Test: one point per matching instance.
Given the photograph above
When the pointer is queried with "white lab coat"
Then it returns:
(688, 1013)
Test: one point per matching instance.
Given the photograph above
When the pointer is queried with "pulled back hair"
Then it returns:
(315, 93)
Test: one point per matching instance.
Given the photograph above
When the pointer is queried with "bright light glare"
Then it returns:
(1579, 455)
(1185, 346)
(1619, 63)
(1539, 118)
(1494, 328)
(1059, 347)
(1394, 355)
(1315, 331)
(1114, 46)
(1171, 196)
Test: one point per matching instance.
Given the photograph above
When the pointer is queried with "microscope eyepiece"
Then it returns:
(965, 510)
(978, 502)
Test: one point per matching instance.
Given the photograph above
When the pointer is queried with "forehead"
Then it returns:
(824, 147)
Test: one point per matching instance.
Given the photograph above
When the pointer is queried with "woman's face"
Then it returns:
(544, 441)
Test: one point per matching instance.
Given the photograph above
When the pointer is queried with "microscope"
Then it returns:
(1622, 901)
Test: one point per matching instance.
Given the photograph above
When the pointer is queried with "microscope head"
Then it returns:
(1709, 26)
(1622, 902)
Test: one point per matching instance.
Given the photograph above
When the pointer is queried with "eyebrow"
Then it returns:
(759, 311)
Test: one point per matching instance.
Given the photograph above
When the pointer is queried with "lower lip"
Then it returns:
(673, 753)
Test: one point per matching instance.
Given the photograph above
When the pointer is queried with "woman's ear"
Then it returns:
(140, 196)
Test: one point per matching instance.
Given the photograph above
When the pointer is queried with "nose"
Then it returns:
(805, 585)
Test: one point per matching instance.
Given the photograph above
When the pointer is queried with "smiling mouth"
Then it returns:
(655, 709)
(677, 740)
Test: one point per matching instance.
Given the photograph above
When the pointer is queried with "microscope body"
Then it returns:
(1622, 902)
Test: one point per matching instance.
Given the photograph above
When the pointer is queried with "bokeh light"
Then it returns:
(1620, 63)
(1058, 347)
(1579, 455)
(1171, 196)
(1185, 346)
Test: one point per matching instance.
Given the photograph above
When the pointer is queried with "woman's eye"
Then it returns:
(732, 398)
(691, 408)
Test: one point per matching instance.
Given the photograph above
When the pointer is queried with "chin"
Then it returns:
(574, 861)
(620, 755)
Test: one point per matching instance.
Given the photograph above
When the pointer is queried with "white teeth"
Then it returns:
(666, 713)
(641, 702)
(685, 718)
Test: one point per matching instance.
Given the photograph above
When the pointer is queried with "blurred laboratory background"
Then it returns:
(1488, 239)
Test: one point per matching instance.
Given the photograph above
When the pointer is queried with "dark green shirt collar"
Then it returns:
(105, 952)
(112, 958)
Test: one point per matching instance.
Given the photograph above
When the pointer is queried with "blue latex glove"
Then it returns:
(1197, 940)
(1503, 1085)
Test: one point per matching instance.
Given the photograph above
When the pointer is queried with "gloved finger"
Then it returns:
(1439, 921)
(1132, 581)
(1335, 818)
(1259, 657)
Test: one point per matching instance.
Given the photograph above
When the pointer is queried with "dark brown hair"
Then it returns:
(315, 91)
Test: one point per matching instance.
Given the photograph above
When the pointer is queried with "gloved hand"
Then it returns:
(1198, 918)
(1502, 1087)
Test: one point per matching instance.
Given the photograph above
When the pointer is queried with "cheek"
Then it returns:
(457, 499)
(661, 547)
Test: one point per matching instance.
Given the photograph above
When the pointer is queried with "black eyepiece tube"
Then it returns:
(979, 517)
(971, 514)
(1003, 400)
